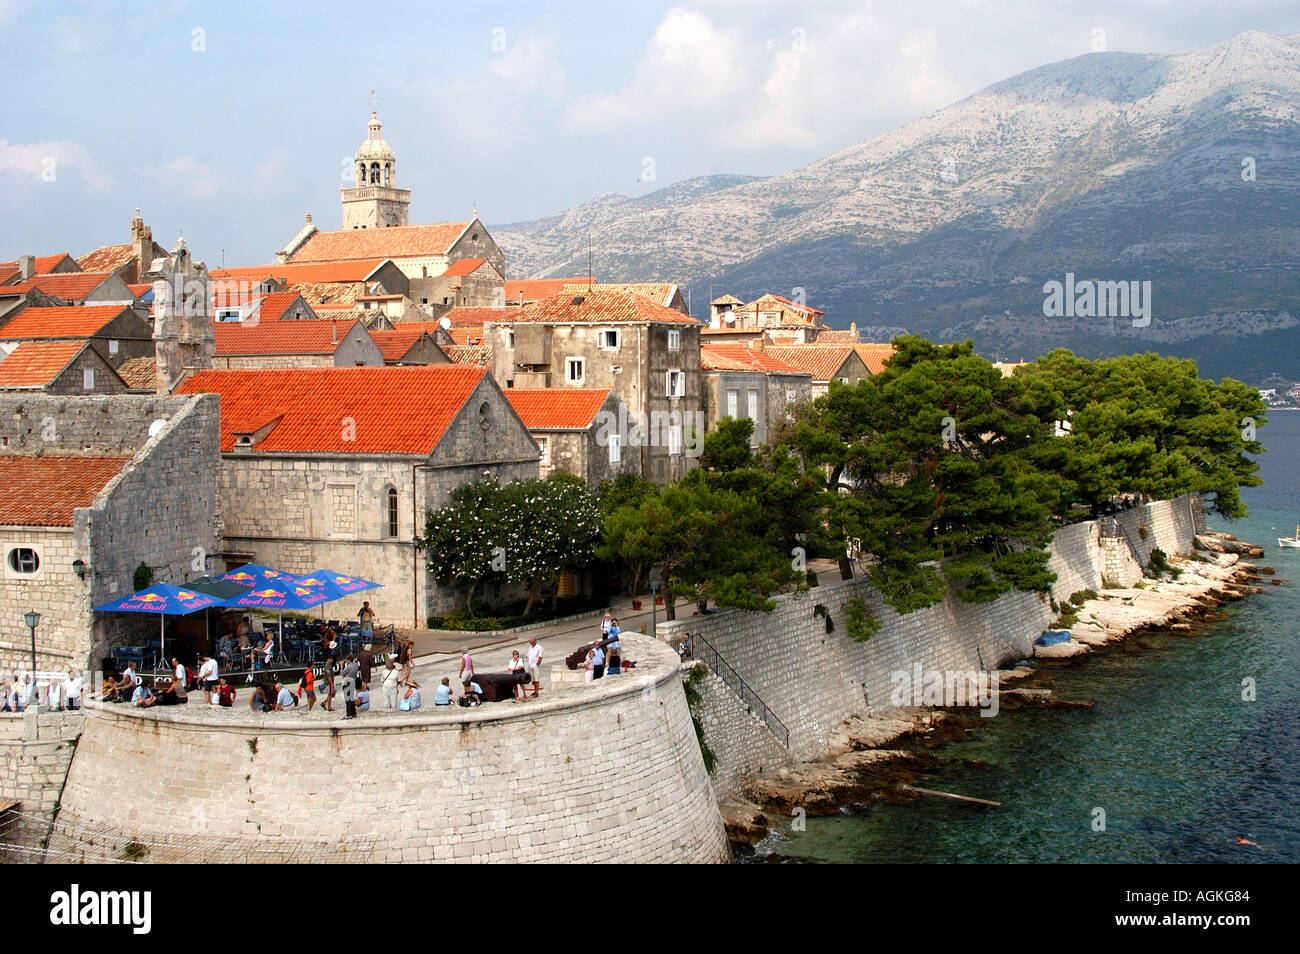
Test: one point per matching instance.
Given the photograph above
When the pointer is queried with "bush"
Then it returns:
(1158, 563)
(859, 624)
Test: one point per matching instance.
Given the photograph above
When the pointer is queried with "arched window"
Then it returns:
(374, 173)
(388, 173)
(361, 174)
(390, 512)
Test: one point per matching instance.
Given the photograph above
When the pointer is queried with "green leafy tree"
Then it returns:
(551, 527)
(461, 538)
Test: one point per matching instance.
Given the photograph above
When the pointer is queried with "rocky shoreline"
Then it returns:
(877, 757)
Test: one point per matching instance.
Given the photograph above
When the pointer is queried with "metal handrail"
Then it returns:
(713, 659)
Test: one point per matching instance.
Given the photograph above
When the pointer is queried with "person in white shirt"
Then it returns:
(534, 664)
(54, 696)
(26, 692)
(392, 684)
(72, 687)
(208, 674)
(179, 670)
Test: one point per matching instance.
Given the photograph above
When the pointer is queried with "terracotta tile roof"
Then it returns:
(736, 357)
(401, 241)
(546, 409)
(107, 258)
(270, 307)
(7, 271)
(279, 337)
(396, 410)
(140, 373)
(327, 294)
(599, 305)
(769, 302)
(821, 361)
(727, 300)
(464, 266)
(295, 273)
(477, 316)
(44, 491)
(43, 265)
(464, 335)
(727, 330)
(874, 355)
(70, 286)
(658, 292)
(534, 289)
(479, 355)
(139, 291)
(34, 364)
(393, 344)
(63, 321)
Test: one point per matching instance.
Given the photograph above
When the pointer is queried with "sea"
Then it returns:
(1193, 743)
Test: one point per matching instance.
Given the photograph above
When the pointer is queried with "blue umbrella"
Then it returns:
(337, 585)
(281, 593)
(163, 599)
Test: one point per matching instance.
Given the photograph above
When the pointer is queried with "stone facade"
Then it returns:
(35, 752)
(500, 783)
(160, 510)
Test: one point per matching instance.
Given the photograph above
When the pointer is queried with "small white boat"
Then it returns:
(1290, 541)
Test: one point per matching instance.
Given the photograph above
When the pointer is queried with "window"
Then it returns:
(843, 380)
(609, 339)
(392, 511)
(573, 370)
(87, 379)
(510, 337)
(112, 347)
(753, 404)
(544, 450)
(24, 560)
(674, 341)
(732, 402)
(615, 448)
(676, 384)
(675, 440)
(226, 314)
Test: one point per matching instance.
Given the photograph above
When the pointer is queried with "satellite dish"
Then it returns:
(157, 426)
(444, 323)
(730, 318)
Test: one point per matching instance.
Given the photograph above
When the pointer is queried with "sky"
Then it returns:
(227, 122)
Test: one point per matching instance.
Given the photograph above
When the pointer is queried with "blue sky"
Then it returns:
(228, 121)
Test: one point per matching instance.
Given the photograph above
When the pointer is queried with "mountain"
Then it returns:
(1179, 170)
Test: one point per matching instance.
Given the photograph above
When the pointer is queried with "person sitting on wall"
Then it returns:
(363, 700)
(472, 694)
(126, 685)
(442, 695)
(225, 693)
(284, 699)
(258, 701)
(169, 693)
(143, 697)
(411, 698)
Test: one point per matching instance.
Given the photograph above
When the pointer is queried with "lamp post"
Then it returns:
(32, 618)
(654, 593)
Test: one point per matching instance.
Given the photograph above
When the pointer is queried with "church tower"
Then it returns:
(374, 202)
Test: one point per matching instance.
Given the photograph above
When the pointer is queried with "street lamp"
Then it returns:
(32, 619)
(654, 593)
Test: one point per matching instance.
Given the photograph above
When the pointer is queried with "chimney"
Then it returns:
(334, 337)
(142, 240)
(26, 267)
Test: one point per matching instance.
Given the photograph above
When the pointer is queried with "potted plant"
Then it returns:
(636, 603)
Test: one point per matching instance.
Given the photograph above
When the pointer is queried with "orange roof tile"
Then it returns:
(43, 265)
(400, 241)
(107, 258)
(34, 364)
(44, 491)
(599, 305)
(139, 373)
(394, 344)
(737, 357)
(874, 355)
(466, 335)
(546, 409)
(828, 336)
(476, 316)
(279, 337)
(659, 292)
(393, 410)
(269, 308)
(479, 355)
(140, 290)
(764, 301)
(821, 361)
(70, 286)
(7, 272)
(295, 273)
(534, 289)
(464, 266)
(62, 321)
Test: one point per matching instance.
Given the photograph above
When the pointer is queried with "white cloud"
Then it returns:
(49, 162)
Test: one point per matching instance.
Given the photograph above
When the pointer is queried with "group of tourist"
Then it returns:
(19, 693)
(605, 655)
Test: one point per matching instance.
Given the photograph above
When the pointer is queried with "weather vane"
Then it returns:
(374, 101)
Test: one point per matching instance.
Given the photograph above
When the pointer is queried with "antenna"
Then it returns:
(374, 102)
(590, 277)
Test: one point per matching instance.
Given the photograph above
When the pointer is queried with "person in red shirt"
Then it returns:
(307, 684)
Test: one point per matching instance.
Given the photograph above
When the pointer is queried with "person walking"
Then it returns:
(392, 684)
(366, 661)
(307, 686)
(535, 664)
(466, 665)
(351, 678)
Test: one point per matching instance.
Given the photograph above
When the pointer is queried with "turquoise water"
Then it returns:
(1179, 762)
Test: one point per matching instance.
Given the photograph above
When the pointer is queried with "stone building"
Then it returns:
(115, 331)
(59, 367)
(90, 489)
(374, 201)
(182, 316)
(825, 363)
(647, 353)
(131, 262)
(571, 427)
(667, 294)
(524, 291)
(801, 322)
(410, 344)
(740, 382)
(335, 468)
(28, 266)
(294, 344)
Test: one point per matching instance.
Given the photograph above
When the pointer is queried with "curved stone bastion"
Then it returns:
(607, 771)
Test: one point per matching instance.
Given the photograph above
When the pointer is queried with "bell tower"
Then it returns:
(374, 201)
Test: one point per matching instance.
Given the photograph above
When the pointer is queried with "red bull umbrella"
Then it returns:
(165, 600)
(280, 593)
(335, 585)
